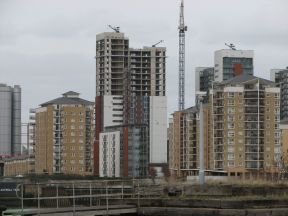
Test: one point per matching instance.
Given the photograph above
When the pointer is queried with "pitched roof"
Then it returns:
(245, 78)
(191, 109)
(68, 100)
(71, 93)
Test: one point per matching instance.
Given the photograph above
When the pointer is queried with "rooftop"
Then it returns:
(69, 97)
(246, 78)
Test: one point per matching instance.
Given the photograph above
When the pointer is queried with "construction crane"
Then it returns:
(154, 45)
(116, 29)
(231, 46)
(182, 28)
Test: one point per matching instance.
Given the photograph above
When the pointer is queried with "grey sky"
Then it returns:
(48, 46)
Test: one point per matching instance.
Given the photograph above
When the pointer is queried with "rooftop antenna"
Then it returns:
(182, 28)
(231, 46)
(154, 45)
(116, 29)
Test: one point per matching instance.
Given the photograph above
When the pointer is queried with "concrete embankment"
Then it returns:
(176, 211)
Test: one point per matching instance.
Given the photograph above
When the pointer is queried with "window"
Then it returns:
(117, 115)
(231, 156)
(277, 150)
(230, 118)
(230, 125)
(230, 133)
(231, 94)
(230, 141)
(230, 149)
(231, 110)
(231, 163)
(230, 102)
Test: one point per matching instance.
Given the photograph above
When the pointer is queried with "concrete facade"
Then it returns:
(133, 146)
(230, 63)
(131, 90)
(158, 129)
(110, 154)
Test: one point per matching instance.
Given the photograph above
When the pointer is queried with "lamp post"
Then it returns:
(201, 149)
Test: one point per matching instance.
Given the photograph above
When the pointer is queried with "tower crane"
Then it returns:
(116, 29)
(154, 45)
(231, 46)
(182, 28)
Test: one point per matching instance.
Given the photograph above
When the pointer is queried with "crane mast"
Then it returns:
(181, 88)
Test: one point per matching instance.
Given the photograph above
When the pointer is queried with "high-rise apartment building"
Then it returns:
(227, 64)
(280, 77)
(184, 142)
(231, 63)
(64, 130)
(10, 120)
(124, 151)
(245, 115)
(131, 91)
(204, 77)
(111, 63)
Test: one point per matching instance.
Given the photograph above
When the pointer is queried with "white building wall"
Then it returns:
(113, 110)
(109, 149)
(158, 129)
(220, 54)
(234, 89)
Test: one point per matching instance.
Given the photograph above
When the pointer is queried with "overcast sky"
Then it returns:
(48, 46)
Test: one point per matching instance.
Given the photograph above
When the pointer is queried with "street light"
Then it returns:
(201, 143)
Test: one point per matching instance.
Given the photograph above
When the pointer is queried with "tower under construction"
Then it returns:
(130, 99)
(182, 28)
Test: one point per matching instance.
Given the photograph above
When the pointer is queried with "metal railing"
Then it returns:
(78, 193)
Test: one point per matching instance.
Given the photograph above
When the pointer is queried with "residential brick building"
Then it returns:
(64, 136)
